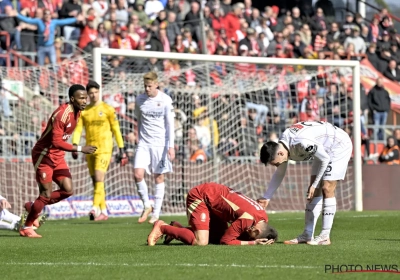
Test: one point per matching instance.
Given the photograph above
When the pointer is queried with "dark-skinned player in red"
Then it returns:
(210, 207)
(48, 157)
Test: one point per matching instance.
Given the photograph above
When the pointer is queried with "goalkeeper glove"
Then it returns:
(75, 154)
(121, 157)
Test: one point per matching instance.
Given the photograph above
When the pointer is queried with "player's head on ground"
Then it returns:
(150, 81)
(262, 230)
(93, 90)
(78, 96)
(273, 153)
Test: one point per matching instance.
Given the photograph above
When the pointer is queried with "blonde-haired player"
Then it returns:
(155, 151)
(100, 122)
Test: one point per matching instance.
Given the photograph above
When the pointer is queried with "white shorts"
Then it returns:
(153, 159)
(337, 167)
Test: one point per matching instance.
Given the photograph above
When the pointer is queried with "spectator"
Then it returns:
(89, 33)
(357, 41)
(251, 42)
(218, 21)
(101, 9)
(349, 23)
(334, 33)
(306, 35)
(152, 8)
(121, 11)
(318, 22)
(69, 9)
(232, 20)
(379, 105)
(142, 17)
(226, 6)
(11, 25)
(46, 29)
(197, 154)
(188, 42)
(123, 41)
(373, 57)
(173, 29)
(296, 18)
(390, 154)
(263, 28)
(392, 72)
(384, 43)
(374, 30)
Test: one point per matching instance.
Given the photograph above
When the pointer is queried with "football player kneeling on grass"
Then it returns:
(210, 207)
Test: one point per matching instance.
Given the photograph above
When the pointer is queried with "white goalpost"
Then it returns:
(235, 162)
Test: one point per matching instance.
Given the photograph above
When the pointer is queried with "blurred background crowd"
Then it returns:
(60, 33)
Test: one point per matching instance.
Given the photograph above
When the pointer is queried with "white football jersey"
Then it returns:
(155, 120)
(322, 141)
(303, 139)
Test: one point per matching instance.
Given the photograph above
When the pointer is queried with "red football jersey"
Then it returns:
(232, 207)
(59, 129)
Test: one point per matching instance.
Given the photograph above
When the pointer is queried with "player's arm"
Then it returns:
(58, 142)
(276, 180)
(324, 158)
(4, 204)
(76, 137)
(170, 130)
(232, 234)
(115, 128)
(138, 116)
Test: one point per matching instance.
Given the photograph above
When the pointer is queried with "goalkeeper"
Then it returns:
(100, 122)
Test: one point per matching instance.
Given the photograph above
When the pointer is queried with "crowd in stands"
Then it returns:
(230, 29)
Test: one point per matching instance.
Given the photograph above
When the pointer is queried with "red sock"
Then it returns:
(36, 208)
(183, 234)
(58, 195)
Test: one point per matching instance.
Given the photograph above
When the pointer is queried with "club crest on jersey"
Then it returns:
(100, 113)
(203, 217)
(44, 175)
(158, 104)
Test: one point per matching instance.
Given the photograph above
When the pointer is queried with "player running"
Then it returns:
(210, 207)
(48, 157)
(11, 221)
(155, 151)
(100, 122)
(331, 149)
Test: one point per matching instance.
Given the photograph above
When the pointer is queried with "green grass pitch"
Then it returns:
(116, 249)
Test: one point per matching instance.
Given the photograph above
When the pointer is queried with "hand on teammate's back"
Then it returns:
(89, 149)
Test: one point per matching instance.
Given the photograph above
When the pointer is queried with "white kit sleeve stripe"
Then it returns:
(170, 125)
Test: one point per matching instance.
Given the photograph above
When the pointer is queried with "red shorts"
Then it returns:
(47, 171)
(200, 218)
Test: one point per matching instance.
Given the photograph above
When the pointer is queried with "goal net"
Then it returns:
(225, 110)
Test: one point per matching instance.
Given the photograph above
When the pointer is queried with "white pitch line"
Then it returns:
(159, 264)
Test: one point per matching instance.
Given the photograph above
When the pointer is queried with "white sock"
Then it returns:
(158, 198)
(9, 217)
(328, 215)
(143, 193)
(312, 212)
(104, 211)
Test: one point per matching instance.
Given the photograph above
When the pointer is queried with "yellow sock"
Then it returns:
(103, 205)
(98, 193)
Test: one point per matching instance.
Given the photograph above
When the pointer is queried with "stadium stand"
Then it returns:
(174, 26)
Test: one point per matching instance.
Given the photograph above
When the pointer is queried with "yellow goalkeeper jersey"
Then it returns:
(100, 123)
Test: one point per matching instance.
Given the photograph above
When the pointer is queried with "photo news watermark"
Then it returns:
(360, 268)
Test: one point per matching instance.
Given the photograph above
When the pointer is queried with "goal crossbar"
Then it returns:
(354, 65)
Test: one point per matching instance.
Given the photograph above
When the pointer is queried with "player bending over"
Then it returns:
(331, 149)
(100, 122)
(48, 157)
(11, 221)
(210, 207)
(155, 151)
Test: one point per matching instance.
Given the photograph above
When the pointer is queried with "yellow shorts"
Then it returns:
(98, 162)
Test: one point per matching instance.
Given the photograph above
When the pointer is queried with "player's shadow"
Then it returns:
(385, 239)
(5, 235)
